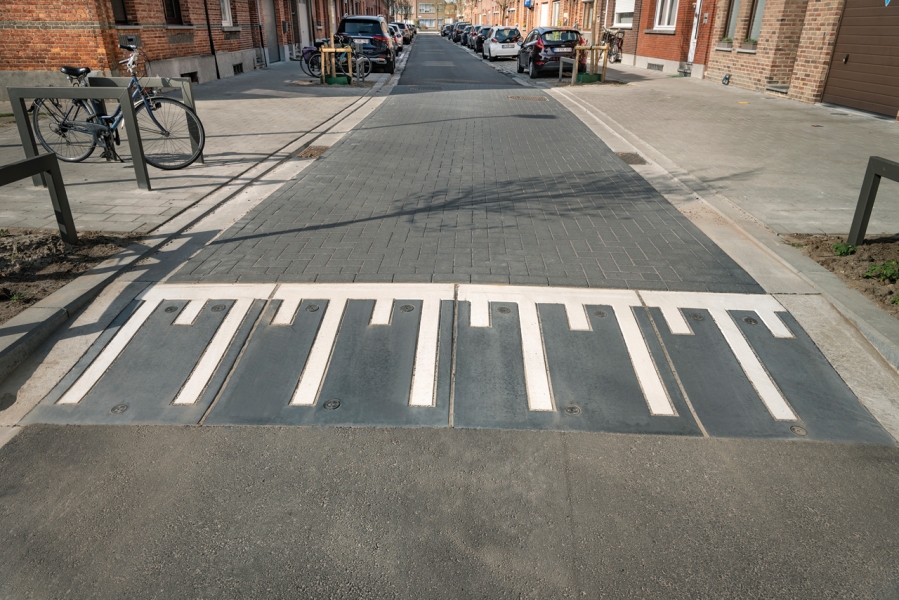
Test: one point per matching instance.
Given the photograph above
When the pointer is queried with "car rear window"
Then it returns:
(506, 34)
(362, 27)
(561, 36)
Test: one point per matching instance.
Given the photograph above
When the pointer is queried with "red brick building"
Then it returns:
(202, 39)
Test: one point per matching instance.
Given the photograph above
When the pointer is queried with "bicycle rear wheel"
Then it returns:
(315, 65)
(172, 136)
(55, 128)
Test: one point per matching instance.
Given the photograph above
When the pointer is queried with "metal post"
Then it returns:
(877, 167)
(41, 165)
(29, 144)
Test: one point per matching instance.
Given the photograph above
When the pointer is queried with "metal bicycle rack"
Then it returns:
(40, 166)
(877, 168)
(18, 95)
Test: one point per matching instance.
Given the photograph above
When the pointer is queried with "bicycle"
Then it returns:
(615, 40)
(312, 60)
(172, 135)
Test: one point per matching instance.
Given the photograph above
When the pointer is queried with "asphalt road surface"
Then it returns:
(667, 430)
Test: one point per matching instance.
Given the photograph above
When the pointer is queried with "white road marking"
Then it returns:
(718, 306)
(152, 297)
(216, 349)
(189, 313)
(575, 300)
(424, 378)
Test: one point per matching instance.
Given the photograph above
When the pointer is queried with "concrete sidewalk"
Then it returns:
(247, 119)
(795, 167)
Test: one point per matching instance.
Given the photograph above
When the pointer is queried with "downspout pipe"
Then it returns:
(211, 43)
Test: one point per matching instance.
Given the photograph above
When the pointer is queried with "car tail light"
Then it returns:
(379, 38)
(539, 43)
(583, 41)
(494, 40)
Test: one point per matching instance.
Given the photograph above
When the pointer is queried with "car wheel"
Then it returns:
(518, 65)
(491, 58)
(532, 70)
(391, 66)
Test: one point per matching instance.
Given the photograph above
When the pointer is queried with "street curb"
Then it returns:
(21, 335)
(879, 328)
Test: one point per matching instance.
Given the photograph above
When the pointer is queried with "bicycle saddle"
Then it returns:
(76, 71)
(131, 47)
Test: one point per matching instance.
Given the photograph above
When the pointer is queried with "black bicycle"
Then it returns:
(172, 135)
(615, 40)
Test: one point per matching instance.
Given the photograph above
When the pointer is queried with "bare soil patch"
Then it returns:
(852, 268)
(34, 263)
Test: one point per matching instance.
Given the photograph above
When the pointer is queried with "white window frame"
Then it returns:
(227, 19)
(666, 10)
(432, 7)
(628, 7)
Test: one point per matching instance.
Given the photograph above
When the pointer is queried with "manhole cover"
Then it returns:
(697, 317)
(750, 321)
(799, 430)
(313, 152)
(118, 409)
(332, 404)
(218, 308)
(600, 313)
(631, 158)
(572, 409)
(532, 98)
(171, 309)
(311, 307)
(504, 310)
(407, 308)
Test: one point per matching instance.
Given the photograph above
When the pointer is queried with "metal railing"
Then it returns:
(877, 168)
(41, 166)
(18, 95)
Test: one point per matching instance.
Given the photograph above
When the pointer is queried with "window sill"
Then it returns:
(129, 26)
(619, 26)
(723, 49)
(660, 31)
(742, 51)
(231, 28)
(180, 26)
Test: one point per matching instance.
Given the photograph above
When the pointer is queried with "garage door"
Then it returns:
(864, 72)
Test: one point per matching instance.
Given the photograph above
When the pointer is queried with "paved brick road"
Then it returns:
(478, 181)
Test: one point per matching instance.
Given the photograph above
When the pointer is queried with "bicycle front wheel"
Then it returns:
(315, 65)
(171, 134)
(56, 129)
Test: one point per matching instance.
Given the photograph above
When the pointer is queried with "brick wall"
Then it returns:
(666, 46)
(816, 44)
(794, 47)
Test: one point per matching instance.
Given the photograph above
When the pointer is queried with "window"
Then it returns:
(119, 13)
(425, 8)
(427, 22)
(561, 36)
(732, 19)
(666, 14)
(624, 13)
(173, 12)
(756, 28)
(227, 21)
(555, 18)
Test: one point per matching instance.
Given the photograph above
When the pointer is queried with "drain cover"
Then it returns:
(600, 313)
(504, 310)
(572, 409)
(697, 317)
(171, 309)
(750, 321)
(218, 308)
(311, 307)
(532, 98)
(313, 152)
(332, 404)
(118, 409)
(407, 308)
(799, 430)
(631, 158)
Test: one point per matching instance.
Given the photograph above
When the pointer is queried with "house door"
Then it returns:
(864, 70)
(555, 21)
(544, 15)
(270, 26)
(305, 37)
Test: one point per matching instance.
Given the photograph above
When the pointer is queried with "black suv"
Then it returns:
(544, 46)
(378, 39)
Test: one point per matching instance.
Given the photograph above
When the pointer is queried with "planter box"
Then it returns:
(588, 77)
(725, 46)
(748, 46)
(339, 80)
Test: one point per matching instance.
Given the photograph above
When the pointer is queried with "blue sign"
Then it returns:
(530, 3)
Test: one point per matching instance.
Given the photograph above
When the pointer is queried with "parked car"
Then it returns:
(544, 46)
(397, 37)
(445, 30)
(407, 32)
(478, 44)
(457, 31)
(466, 31)
(500, 42)
(379, 45)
